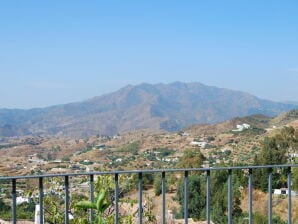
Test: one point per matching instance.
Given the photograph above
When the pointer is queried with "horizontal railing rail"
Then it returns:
(148, 171)
(163, 172)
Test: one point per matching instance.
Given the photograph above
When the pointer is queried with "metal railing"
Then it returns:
(163, 172)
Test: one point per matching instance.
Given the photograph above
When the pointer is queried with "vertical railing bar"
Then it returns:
(230, 202)
(14, 201)
(116, 198)
(208, 197)
(41, 200)
(186, 197)
(289, 196)
(91, 192)
(140, 198)
(270, 196)
(250, 195)
(163, 188)
(66, 185)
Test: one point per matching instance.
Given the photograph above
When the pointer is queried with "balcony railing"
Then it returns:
(208, 171)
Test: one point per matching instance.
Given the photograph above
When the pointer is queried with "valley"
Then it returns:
(234, 142)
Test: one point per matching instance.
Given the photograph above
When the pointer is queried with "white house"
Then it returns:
(284, 191)
(119, 160)
(246, 126)
(184, 134)
(21, 200)
(241, 127)
(200, 144)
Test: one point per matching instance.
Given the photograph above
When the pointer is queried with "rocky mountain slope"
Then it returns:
(161, 106)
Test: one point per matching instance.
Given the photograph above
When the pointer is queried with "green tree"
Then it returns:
(192, 158)
(3, 206)
(4, 210)
(158, 183)
(53, 210)
(275, 150)
(196, 197)
(219, 198)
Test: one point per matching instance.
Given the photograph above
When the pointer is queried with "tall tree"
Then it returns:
(275, 150)
(192, 158)
(196, 197)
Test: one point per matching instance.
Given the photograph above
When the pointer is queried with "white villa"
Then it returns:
(241, 127)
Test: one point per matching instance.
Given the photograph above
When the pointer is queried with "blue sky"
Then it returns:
(54, 52)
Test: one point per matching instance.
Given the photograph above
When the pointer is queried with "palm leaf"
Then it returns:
(86, 205)
(101, 199)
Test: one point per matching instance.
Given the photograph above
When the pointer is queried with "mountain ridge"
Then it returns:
(145, 106)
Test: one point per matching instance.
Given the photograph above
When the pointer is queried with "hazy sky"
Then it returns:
(54, 52)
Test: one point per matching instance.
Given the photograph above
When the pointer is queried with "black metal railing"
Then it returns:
(163, 172)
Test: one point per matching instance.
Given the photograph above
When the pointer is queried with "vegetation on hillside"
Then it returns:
(257, 145)
(276, 149)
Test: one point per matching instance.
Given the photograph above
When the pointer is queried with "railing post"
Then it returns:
(14, 201)
(270, 196)
(91, 192)
(66, 184)
(40, 200)
(163, 188)
(140, 198)
(116, 198)
(208, 197)
(289, 196)
(186, 197)
(250, 195)
(230, 200)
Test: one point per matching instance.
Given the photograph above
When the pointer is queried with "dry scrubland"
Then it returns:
(143, 150)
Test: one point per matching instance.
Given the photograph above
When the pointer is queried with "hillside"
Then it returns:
(285, 118)
(242, 146)
(167, 107)
(148, 151)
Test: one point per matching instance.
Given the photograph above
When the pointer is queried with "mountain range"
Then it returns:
(167, 107)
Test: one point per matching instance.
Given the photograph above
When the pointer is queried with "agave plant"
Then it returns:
(100, 205)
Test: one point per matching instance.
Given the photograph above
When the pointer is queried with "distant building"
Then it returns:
(21, 200)
(184, 134)
(241, 127)
(284, 191)
(57, 161)
(246, 126)
(200, 144)
(119, 160)
(293, 155)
